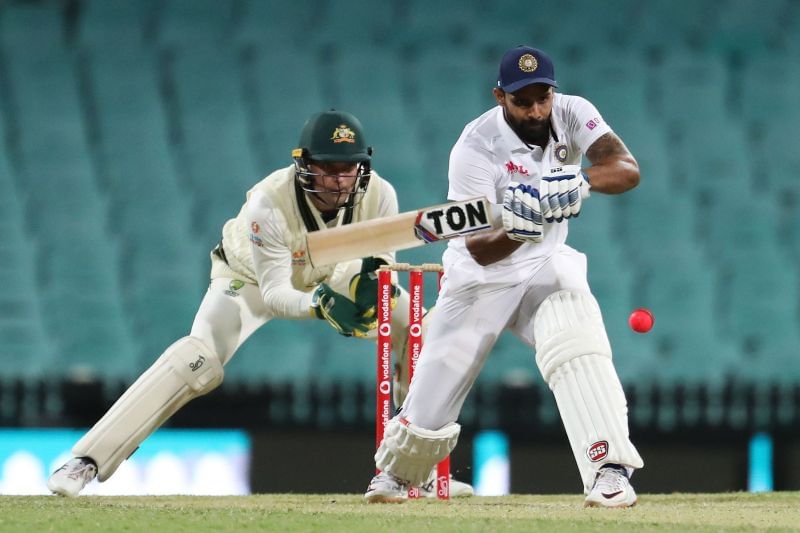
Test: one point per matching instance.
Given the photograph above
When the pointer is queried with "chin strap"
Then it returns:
(305, 211)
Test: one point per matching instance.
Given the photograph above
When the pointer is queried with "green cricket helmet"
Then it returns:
(332, 137)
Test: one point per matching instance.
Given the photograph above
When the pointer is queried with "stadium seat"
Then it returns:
(218, 161)
(265, 23)
(595, 230)
(25, 351)
(666, 27)
(656, 225)
(602, 84)
(717, 157)
(182, 23)
(282, 96)
(738, 226)
(784, 76)
(747, 29)
(760, 299)
(26, 26)
(133, 128)
(102, 349)
(612, 282)
(789, 230)
(434, 25)
(649, 147)
(376, 25)
(110, 25)
(777, 173)
(702, 79)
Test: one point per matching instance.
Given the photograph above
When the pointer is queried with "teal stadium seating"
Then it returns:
(131, 131)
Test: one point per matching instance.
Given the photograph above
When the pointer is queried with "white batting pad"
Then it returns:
(574, 357)
(410, 452)
(186, 370)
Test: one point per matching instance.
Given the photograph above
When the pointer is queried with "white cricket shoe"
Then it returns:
(385, 488)
(458, 489)
(612, 488)
(70, 479)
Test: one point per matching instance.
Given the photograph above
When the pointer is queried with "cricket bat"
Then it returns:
(402, 231)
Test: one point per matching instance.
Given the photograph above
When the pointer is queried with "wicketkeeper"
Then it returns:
(260, 271)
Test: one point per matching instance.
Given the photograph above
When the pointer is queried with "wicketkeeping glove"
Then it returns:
(522, 218)
(340, 312)
(562, 192)
(364, 286)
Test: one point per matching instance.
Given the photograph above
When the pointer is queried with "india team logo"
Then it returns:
(343, 134)
(561, 152)
(528, 63)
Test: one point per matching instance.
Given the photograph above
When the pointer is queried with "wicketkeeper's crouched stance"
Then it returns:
(260, 272)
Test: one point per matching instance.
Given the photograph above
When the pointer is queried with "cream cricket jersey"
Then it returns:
(489, 155)
(266, 243)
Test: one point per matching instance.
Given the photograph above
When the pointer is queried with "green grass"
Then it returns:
(347, 512)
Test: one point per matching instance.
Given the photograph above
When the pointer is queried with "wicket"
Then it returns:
(384, 363)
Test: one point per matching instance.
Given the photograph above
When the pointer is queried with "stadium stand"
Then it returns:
(131, 131)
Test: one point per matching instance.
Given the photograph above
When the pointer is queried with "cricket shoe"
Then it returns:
(458, 489)
(71, 478)
(612, 488)
(385, 488)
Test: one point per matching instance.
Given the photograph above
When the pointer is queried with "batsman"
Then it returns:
(260, 271)
(524, 154)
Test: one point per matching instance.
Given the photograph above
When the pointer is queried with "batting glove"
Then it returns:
(340, 312)
(562, 192)
(522, 217)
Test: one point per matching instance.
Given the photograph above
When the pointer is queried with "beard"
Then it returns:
(530, 131)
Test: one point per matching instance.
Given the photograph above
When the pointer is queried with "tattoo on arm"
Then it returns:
(607, 146)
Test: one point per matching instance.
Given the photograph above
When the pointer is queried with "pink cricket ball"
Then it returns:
(641, 320)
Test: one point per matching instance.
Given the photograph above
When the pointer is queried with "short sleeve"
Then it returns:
(585, 123)
(470, 174)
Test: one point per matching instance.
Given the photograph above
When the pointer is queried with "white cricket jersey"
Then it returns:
(488, 155)
(266, 243)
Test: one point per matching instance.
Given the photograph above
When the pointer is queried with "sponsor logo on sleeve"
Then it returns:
(592, 124)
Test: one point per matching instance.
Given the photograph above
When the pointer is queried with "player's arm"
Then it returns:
(491, 246)
(272, 261)
(614, 169)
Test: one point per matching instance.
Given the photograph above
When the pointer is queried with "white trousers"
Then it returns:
(231, 311)
(470, 316)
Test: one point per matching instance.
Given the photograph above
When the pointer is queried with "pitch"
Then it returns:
(348, 512)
